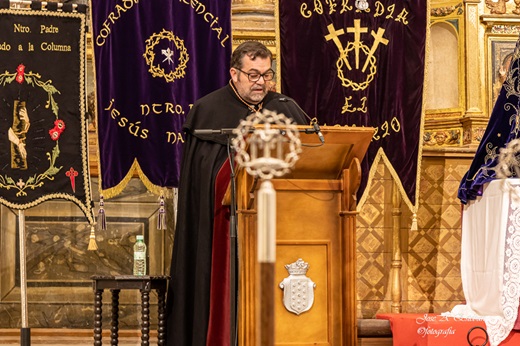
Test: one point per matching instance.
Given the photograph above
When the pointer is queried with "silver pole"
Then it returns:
(266, 237)
(273, 162)
(25, 332)
(266, 259)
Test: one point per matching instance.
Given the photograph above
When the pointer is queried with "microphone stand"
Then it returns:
(233, 247)
(233, 243)
(313, 121)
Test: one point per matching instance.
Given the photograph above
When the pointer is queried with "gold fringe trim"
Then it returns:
(96, 112)
(382, 156)
(155, 189)
(87, 210)
(85, 206)
(373, 168)
(92, 245)
(414, 222)
(116, 190)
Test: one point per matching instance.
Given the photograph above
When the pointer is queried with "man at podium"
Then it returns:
(198, 301)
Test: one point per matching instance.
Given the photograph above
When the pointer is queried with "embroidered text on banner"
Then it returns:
(43, 126)
(153, 60)
(361, 67)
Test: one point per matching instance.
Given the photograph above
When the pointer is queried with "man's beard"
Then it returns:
(257, 97)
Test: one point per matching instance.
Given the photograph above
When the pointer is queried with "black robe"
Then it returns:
(191, 291)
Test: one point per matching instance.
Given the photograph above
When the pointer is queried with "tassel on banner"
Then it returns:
(161, 218)
(92, 245)
(414, 222)
(102, 218)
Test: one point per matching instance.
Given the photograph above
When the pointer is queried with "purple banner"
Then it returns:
(360, 67)
(153, 60)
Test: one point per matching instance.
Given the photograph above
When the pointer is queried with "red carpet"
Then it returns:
(434, 329)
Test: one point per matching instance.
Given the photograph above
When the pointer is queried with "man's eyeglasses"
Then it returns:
(255, 76)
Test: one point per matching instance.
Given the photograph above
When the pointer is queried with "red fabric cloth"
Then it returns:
(516, 327)
(219, 315)
(434, 329)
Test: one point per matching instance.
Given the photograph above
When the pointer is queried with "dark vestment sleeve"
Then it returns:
(193, 303)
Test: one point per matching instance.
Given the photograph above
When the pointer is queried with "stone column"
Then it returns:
(474, 119)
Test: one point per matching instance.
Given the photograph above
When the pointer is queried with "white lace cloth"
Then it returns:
(490, 259)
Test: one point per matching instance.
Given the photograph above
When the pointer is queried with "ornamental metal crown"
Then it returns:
(297, 268)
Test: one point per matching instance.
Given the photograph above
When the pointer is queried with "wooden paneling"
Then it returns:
(315, 222)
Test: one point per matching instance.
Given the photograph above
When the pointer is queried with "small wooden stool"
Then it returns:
(119, 282)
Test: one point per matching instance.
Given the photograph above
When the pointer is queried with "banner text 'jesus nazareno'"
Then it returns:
(153, 60)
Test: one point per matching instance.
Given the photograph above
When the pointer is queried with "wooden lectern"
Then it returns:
(316, 222)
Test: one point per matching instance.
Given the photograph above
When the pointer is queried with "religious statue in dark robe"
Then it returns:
(503, 127)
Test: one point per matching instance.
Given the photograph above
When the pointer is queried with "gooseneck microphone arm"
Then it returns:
(314, 122)
(229, 131)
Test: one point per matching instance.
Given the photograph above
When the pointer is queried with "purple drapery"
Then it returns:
(362, 68)
(153, 59)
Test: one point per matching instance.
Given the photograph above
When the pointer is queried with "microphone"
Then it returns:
(313, 122)
(318, 131)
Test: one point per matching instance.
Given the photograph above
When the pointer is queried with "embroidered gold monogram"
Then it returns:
(357, 47)
(163, 39)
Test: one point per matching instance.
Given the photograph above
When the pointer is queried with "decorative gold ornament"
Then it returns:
(517, 8)
(155, 69)
(497, 6)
